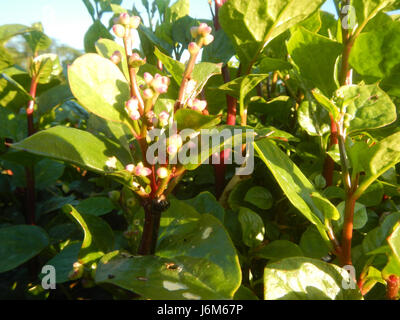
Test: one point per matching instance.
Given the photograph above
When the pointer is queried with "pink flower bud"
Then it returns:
(142, 171)
(175, 142)
(135, 22)
(162, 173)
(124, 18)
(204, 29)
(199, 105)
(194, 31)
(130, 168)
(193, 48)
(148, 94)
(148, 78)
(208, 39)
(119, 30)
(163, 118)
(132, 109)
(160, 84)
(116, 57)
(135, 60)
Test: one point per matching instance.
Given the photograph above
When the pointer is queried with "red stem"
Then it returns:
(393, 285)
(347, 234)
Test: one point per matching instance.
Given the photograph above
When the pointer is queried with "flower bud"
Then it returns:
(77, 271)
(142, 171)
(162, 173)
(194, 31)
(198, 105)
(124, 18)
(163, 117)
(151, 118)
(116, 57)
(193, 48)
(132, 108)
(208, 39)
(134, 22)
(204, 30)
(136, 61)
(111, 163)
(174, 143)
(148, 94)
(130, 168)
(119, 30)
(148, 78)
(160, 83)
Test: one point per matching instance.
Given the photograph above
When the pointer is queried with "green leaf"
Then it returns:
(279, 249)
(96, 206)
(253, 24)
(205, 202)
(96, 31)
(327, 104)
(299, 190)
(260, 197)
(89, 7)
(307, 279)
(17, 86)
(394, 241)
(64, 260)
(8, 31)
(192, 119)
(313, 118)
(45, 67)
(368, 107)
(268, 64)
(380, 158)
(100, 87)
(47, 172)
(317, 69)
(195, 259)
(360, 215)
(75, 146)
(98, 235)
(312, 244)
(37, 41)
(53, 97)
(6, 59)
(19, 244)
(220, 50)
(377, 237)
(106, 49)
(368, 9)
(253, 229)
(12, 126)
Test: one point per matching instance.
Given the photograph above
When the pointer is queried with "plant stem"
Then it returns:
(29, 170)
(393, 284)
(150, 229)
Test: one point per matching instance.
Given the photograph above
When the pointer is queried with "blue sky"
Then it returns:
(68, 20)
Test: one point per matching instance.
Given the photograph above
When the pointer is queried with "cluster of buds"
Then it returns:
(203, 35)
(196, 104)
(139, 170)
(163, 119)
(132, 108)
(136, 61)
(158, 83)
(174, 143)
(124, 24)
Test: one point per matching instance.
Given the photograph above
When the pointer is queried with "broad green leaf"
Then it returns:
(19, 244)
(47, 172)
(205, 202)
(64, 260)
(253, 24)
(394, 241)
(100, 87)
(53, 97)
(260, 197)
(8, 31)
(377, 237)
(268, 64)
(245, 293)
(12, 126)
(6, 59)
(313, 118)
(317, 69)
(279, 249)
(312, 244)
(37, 41)
(107, 47)
(98, 235)
(195, 259)
(380, 158)
(307, 279)
(327, 104)
(299, 190)
(192, 119)
(96, 206)
(96, 31)
(77, 147)
(89, 7)
(45, 67)
(17, 86)
(368, 9)
(220, 50)
(253, 229)
(369, 107)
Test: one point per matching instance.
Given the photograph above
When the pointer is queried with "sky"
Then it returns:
(68, 20)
